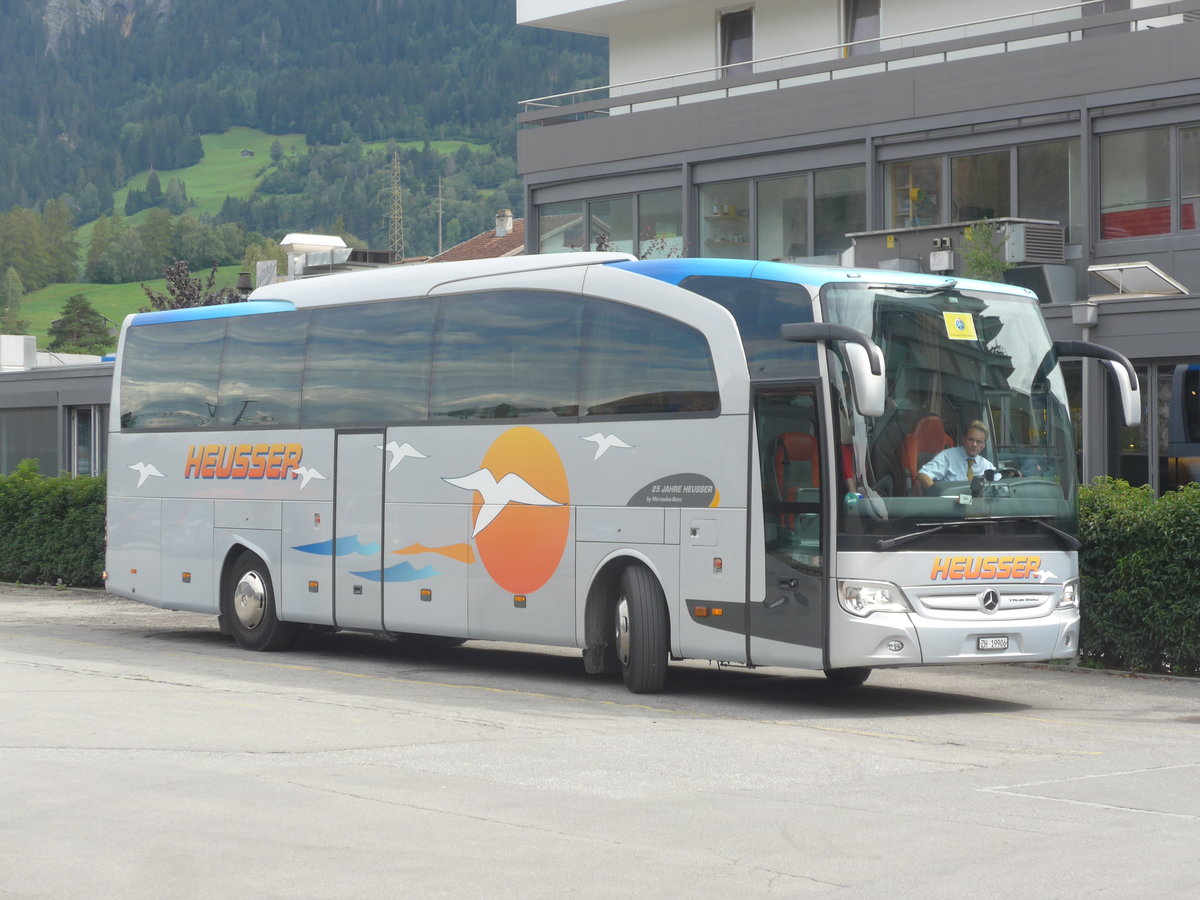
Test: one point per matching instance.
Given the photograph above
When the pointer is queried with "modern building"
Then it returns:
(53, 408)
(874, 132)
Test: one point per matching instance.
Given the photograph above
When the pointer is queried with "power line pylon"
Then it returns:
(396, 216)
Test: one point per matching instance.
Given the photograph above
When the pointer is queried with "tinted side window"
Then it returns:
(507, 354)
(169, 374)
(368, 364)
(760, 307)
(638, 362)
(262, 369)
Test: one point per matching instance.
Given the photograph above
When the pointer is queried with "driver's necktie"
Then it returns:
(970, 468)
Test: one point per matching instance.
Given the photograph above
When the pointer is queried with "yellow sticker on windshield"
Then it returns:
(959, 326)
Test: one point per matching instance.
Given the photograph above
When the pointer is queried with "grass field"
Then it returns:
(113, 301)
(225, 172)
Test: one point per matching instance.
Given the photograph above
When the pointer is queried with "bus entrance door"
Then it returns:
(358, 524)
(786, 624)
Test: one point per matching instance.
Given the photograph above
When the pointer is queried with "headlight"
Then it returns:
(861, 598)
(1070, 595)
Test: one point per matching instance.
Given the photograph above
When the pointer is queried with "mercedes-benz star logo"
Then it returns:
(990, 601)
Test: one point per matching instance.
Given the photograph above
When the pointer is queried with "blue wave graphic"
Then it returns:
(404, 571)
(339, 547)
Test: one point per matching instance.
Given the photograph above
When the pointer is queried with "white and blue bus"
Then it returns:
(647, 460)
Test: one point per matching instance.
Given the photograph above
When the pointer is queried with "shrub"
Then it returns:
(51, 529)
(1140, 577)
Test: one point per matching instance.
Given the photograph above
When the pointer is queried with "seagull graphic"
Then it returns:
(145, 470)
(307, 473)
(604, 442)
(400, 452)
(512, 488)
(1045, 575)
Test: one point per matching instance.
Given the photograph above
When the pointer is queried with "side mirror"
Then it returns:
(861, 355)
(1121, 368)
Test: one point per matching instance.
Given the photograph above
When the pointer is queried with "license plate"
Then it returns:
(992, 643)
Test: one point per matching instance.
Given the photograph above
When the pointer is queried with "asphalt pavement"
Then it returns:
(142, 754)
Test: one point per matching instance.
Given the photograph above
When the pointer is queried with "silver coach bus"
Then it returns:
(648, 460)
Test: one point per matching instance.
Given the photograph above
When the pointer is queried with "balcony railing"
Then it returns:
(999, 34)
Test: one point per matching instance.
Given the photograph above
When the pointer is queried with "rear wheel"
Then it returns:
(851, 677)
(642, 631)
(249, 607)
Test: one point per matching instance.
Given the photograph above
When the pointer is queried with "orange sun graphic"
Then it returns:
(521, 543)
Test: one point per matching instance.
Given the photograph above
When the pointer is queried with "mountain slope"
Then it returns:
(92, 91)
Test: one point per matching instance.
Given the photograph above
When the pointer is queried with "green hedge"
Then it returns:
(1140, 570)
(51, 529)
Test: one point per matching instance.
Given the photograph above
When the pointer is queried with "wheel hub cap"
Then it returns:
(249, 600)
(623, 631)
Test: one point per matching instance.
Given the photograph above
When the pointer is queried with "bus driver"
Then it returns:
(961, 463)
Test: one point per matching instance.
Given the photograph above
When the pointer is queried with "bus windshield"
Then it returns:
(976, 430)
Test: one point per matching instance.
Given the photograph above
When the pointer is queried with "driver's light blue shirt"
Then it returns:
(951, 465)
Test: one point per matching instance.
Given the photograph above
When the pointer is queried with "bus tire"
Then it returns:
(849, 677)
(642, 631)
(249, 607)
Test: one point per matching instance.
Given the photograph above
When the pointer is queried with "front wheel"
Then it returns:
(851, 677)
(249, 607)
(642, 631)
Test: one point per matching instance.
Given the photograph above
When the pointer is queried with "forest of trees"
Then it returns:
(85, 107)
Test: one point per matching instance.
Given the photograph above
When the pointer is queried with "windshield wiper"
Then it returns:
(928, 528)
(1041, 521)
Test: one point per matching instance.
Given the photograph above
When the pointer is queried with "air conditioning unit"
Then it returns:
(1033, 242)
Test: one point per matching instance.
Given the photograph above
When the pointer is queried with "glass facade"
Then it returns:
(979, 186)
(1048, 185)
(799, 217)
(1189, 178)
(1135, 183)
(913, 193)
(725, 220)
(88, 439)
(783, 218)
(29, 434)
(607, 224)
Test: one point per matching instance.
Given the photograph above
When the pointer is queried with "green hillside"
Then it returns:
(113, 301)
(223, 170)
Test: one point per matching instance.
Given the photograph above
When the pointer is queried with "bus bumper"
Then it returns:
(1055, 636)
(907, 639)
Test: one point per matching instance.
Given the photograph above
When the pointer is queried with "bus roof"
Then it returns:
(391, 282)
(674, 271)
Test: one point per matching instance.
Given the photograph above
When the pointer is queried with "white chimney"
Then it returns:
(504, 223)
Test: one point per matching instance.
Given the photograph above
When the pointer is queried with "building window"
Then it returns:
(29, 434)
(89, 430)
(660, 224)
(737, 42)
(1048, 184)
(839, 209)
(802, 217)
(725, 220)
(913, 190)
(979, 186)
(610, 224)
(783, 218)
(560, 227)
(1178, 405)
(1135, 184)
(1189, 178)
(607, 224)
(862, 26)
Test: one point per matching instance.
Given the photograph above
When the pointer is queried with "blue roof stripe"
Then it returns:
(674, 271)
(224, 311)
